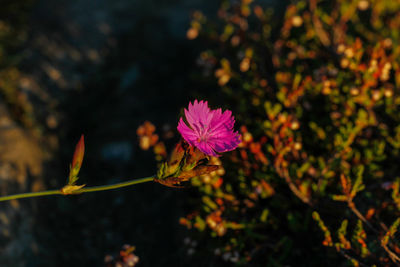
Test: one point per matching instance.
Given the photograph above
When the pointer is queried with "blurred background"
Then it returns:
(313, 86)
(100, 68)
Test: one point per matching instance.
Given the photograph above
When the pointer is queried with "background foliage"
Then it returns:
(316, 180)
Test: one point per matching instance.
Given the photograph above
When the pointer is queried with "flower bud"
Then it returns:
(77, 161)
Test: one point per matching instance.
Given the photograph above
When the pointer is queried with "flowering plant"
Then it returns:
(211, 131)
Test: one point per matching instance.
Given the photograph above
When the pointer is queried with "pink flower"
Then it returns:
(211, 131)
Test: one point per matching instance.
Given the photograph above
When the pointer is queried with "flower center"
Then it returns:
(202, 132)
(204, 135)
(202, 139)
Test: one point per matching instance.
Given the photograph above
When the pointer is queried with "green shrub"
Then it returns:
(317, 93)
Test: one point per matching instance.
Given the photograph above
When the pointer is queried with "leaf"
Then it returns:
(186, 175)
(328, 239)
(391, 232)
(264, 215)
(358, 184)
(340, 198)
(161, 171)
(170, 182)
(184, 159)
(346, 184)
(197, 171)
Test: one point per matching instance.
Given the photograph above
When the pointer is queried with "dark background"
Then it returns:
(100, 68)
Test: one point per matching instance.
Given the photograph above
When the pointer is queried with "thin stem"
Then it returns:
(392, 255)
(353, 208)
(114, 186)
(32, 194)
(80, 191)
(293, 187)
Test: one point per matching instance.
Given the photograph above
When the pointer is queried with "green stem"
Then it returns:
(114, 186)
(32, 194)
(80, 191)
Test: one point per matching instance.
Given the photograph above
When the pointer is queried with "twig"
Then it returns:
(294, 188)
(353, 208)
(319, 30)
(392, 255)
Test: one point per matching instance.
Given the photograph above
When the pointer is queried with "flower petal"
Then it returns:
(225, 143)
(211, 131)
(188, 134)
(206, 149)
(199, 115)
(222, 121)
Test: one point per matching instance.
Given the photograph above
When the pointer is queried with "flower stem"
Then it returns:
(31, 194)
(114, 186)
(80, 191)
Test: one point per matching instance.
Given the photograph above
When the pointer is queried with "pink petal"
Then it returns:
(229, 142)
(222, 121)
(191, 119)
(206, 149)
(199, 114)
(188, 134)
